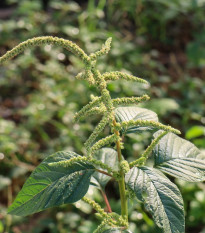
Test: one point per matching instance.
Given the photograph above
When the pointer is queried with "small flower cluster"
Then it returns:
(124, 165)
(104, 50)
(88, 107)
(116, 75)
(130, 100)
(108, 219)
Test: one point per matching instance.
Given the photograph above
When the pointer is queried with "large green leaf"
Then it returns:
(116, 230)
(134, 113)
(109, 157)
(179, 158)
(162, 198)
(53, 184)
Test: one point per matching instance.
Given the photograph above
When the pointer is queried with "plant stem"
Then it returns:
(103, 172)
(106, 201)
(121, 182)
(106, 98)
(8, 216)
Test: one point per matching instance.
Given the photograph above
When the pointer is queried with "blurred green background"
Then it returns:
(161, 41)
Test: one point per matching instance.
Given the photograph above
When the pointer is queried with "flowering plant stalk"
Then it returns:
(65, 177)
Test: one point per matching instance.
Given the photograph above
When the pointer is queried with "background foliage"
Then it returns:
(161, 41)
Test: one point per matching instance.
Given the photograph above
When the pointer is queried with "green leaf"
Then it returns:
(1, 227)
(53, 184)
(135, 113)
(95, 183)
(195, 131)
(179, 158)
(162, 198)
(109, 157)
(116, 230)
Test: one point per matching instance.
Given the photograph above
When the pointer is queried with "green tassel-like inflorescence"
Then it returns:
(102, 142)
(104, 50)
(87, 108)
(111, 219)
(142, 160)
(116, 75)
(130, 100)
(153, 124)
(95, 111)
(107, 217)
(44, 40)
(102, 227)
(97, 130)
(86, 159)
(105, 106)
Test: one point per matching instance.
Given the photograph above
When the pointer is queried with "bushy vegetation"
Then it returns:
(161, 41)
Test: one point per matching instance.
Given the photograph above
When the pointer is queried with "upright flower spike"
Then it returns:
(107, 100)
(100, 82)
(89, 75)
(102, 142)
(99, 128)
(149, 149)
(80, 76)
(87, 107)
(104, 50)
(138, 162)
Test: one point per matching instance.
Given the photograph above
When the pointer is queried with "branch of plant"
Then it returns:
(103, 172)
(106, 201)
(106, 98)
(121, 182)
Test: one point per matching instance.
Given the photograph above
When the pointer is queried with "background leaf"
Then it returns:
(162, 198)
(5, 182)
(134, 113)
(116, 230)
(195, 131)
(179, 158)
(53, 185)
(169, 105)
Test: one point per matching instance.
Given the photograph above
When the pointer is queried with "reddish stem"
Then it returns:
(106, 202)
(103, 172)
